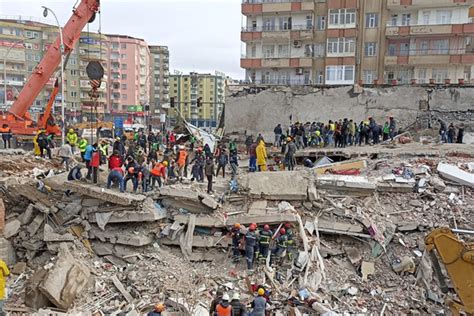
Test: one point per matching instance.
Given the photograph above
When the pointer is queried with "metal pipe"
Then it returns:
(61, 48)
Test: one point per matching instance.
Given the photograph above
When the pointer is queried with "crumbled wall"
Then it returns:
(258, 109)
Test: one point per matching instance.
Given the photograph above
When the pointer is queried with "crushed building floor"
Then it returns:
(359, 239)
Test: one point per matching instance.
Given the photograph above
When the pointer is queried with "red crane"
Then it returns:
(18, 118)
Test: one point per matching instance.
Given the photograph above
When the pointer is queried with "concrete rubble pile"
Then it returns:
(359, 239)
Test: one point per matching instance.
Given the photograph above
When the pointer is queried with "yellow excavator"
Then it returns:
(458, 259)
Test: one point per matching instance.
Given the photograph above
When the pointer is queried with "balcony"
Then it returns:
(271, 33)
(250, 7)
(424, 30)
(252, 63)
(432, 57)
(403, 4)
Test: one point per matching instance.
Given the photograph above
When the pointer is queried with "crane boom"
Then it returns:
(45, 69)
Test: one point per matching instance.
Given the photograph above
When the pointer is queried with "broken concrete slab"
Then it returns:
(209, 201)
(102, 248)
(35, 224)
(312, 192)
(367, 268)
(211, 221)
(50, 235)
(103, 194)
(455, 174)
(280, 185)
(437, 184)
(26, 217)
(11, 228)
(258, 208)
(122, 289)
(65, 280)
(120, 237)
(19, 268)
(395, 187)
(353, 254)
(200, 241)
(7, 252)
(34, 298)
(340, 166)
(150, 212)
(191, 201)
(356, 185)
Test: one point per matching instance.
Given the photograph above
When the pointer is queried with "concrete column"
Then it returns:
(2, 216)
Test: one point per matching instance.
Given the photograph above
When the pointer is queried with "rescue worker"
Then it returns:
(234, 163)
(291, 241)
(153, 153)
(104, 151)
(65, 152)
(132, 173)
(222, 161)
(181, 161)
(236, 238)
(4, 272)
(198, 168)
(115, 161)
(209, 171)
(43, 144)
(224, 308)
(95, 163)
(159, 308)
(264, 243)
(261, 156)
(250, 244)
(82, 147)
(253, 157)
(158, 174)
(116, 176)
(259, 303)
(215, 301)
(281, 247)
(71, 137)
(392, 127)
(290, 152)
(36, 148)
(238, 309)
(6, 135)
(120, 147)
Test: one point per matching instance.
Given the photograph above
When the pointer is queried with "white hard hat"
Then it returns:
(236, 296)
(225, 297)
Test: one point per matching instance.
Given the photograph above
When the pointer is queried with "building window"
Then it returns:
(309, 50)
(422, 75)
(284, 23)
(73, 83)
(123, 46)
(253, 51)
(341, 46)
(268, 51)
(73, 94)
(73, 61)
(124, 66)
(124, 86)
(342, 18)
(339, 74)
(439, 75)
(426, 17)
(370, 49)
(371, 20)
(115, 45)
(441, 47)
(392, 49)
(309, 22)
(283, 51)
(370, 76)
(124, 96)
(319, 49)
(73, 72)
(443, 17)
(404, 49)
(123, 56)
(424, 48)
(406, 19)
(321, 23)
(124, 76)
(394, 20)
(269, 24)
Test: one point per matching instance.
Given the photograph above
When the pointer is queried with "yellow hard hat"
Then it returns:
(318, 133)
(165, 163)
(71, 130)
(261, 292)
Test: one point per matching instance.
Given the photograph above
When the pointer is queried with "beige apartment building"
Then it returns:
(342, 42)
(159, 81)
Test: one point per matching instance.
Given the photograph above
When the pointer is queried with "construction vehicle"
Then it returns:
(18, 118)
(458, 259)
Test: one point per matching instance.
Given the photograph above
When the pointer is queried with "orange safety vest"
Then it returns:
(223, 311)
(182, 157)
(158, 170)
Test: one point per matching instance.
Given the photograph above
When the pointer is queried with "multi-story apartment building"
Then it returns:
(338, 42)
(198, 97)
(159, 81)
(129, 74)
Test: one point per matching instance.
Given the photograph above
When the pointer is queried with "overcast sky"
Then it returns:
(202, 35)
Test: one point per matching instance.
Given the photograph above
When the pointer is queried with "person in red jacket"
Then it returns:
(115, 161)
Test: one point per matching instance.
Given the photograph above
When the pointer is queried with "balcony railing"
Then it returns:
(280, 81)
(437, 51)
(277, 28)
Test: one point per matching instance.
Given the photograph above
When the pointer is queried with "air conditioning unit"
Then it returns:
(299, 71)
(297, 44)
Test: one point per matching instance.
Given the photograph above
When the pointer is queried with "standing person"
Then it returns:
(224, 308)
(6, 135)
(72, 139)
(460, 134)
(103, 151)
(344, 132)
(87, 159)
(95, 162)
(82, 147)
(181, 161)
(192, 141)
(330, 133)
(142, 140)
(392, 127)
(132, 173)
(4, 272)
(372, 125)
(451, 133)
(222, 161)
(264, 242)
(352, 132)
(248, 143)
(65, 152)
(236, 238)
(442, 131)
(120, 147)
(151, 140)
(153, 153)
(43, 144)
(207, 150)
(209, 170)
(158, 174)
(278, 132)
(386, 131)
(234, 163)
(362, 133)
(215, 302)
(290, 152)
(250, 244)
(253, 157)
(238, 309)
(282, 244)
(261, 156)
(259, 304)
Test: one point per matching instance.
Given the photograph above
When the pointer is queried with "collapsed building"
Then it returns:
(360, 238)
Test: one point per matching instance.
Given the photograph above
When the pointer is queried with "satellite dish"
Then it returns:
(94, 70)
